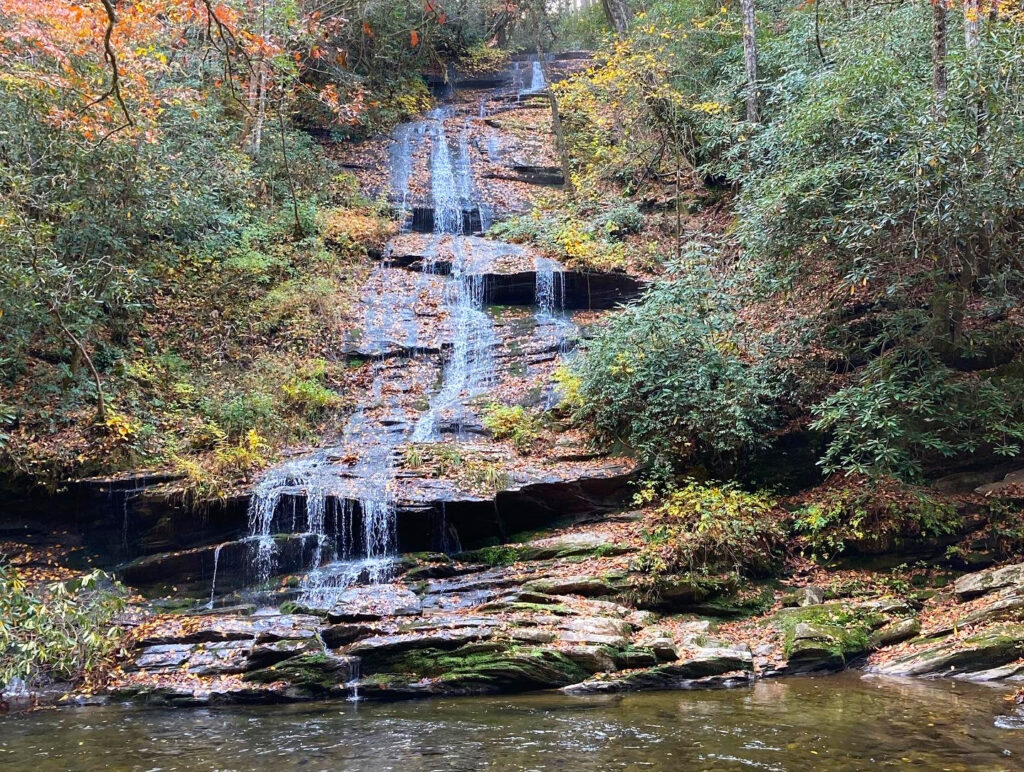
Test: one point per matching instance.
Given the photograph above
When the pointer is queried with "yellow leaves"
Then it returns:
(122, 427)
(711, 108)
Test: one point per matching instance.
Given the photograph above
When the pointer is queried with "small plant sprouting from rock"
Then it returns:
(513, 422)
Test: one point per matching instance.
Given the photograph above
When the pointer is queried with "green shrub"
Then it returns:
(61, 631)
(870, 516)
(482, 58)
(513, 422)
(906, 409)
(243, 412)
(678, 377)
(307, 391)
(704, 529)
(620, 221)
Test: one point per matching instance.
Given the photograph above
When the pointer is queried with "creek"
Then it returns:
(837, 723)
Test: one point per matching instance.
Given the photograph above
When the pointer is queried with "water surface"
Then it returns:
(829, 723)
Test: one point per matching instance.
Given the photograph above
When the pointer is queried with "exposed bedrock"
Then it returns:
(169, 544)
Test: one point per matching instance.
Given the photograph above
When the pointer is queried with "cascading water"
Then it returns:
(470, 366)
(444, 185)
(405, 139)
(550, 298)
(213, 584)
(537, 82)
(343, 499)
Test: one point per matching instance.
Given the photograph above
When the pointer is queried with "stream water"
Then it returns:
(834, 723)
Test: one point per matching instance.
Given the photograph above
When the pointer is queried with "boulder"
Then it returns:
(1011, 485)
(895, 632)
(805, 596)
(591, 629)
(981, 582)
(593, 659)
(661, 643)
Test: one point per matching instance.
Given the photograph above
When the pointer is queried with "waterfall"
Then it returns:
(213, 584)
(405, 139)
(546, 271)
(537, 81)
(550, 299)
(470, 367)
(464, 169)
(310, 476)
(444, 186)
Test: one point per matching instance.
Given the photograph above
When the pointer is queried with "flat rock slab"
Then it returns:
(1012, 486)
(981, 582)
(215, 658)
(210, 628)
(996, 647)
(375, 602)
(587, 586)
(438, 639)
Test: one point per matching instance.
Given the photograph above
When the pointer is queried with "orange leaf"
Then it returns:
(367, 29)
(414, 38)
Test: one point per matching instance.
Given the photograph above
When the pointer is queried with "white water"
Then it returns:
(537, 82)
(470, 366)
(213, 584)
(444, 185)
(406, 139)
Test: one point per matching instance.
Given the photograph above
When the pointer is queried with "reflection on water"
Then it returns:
(830, 723)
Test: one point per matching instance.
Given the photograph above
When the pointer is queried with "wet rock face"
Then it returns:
(374, 602)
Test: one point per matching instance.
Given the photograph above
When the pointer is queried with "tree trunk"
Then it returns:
(972, 30)
(101, 403)
(618, 14)
(939, 50)
(750, 58)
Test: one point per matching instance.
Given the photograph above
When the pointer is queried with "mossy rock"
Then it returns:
(315, 673)
(997, 646)
(517, 671)
(488, 666)
(828, 636)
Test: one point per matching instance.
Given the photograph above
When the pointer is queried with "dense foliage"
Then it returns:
(60, 631)
(679, 377)
(881, 216)
(852, 516)
(710, 528)
(172, 243)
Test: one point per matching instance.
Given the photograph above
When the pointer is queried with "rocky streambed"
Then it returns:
(560, 612)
